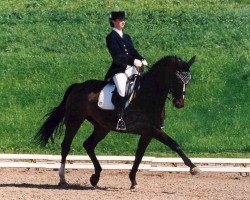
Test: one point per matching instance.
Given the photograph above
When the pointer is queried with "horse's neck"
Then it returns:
(158, 80)
(152, 92)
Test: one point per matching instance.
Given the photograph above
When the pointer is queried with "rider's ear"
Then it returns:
(191, 61)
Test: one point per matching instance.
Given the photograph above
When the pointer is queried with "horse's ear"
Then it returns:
(191, 61)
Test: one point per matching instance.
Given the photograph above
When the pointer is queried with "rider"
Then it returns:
(124, 56)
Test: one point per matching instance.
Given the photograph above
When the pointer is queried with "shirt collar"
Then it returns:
(118, 31)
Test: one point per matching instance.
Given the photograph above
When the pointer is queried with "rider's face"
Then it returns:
(119, 23)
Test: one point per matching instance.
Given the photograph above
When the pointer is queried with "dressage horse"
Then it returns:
(169, 75)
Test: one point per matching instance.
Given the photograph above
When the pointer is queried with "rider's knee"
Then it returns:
(121, 92)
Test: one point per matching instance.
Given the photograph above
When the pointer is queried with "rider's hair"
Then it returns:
(111, 23)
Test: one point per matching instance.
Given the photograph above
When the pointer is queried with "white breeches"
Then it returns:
(120, 79)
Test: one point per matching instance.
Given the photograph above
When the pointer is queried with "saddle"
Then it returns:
(108, 94)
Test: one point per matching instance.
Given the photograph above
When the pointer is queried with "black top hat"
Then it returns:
(117, 15)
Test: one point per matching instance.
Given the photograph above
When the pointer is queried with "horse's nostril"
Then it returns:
(178, 103)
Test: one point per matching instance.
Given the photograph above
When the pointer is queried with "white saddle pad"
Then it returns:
(104, 100)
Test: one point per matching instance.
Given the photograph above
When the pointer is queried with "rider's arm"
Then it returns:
(112, 46)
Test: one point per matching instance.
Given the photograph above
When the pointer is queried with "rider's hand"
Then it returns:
(137, 63)
(144, 62)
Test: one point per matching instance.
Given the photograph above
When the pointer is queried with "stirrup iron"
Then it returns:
(121, 126)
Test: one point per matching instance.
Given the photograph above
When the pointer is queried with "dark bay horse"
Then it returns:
(142, 116)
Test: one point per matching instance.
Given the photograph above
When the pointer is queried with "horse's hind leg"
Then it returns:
(98, 134)
(72, 127)
(142, 145)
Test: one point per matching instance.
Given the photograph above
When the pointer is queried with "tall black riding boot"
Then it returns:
(119, 107)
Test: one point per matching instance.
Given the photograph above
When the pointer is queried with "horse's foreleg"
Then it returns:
(167, 140)
(98, 134)
(71, 130)
(142, 145)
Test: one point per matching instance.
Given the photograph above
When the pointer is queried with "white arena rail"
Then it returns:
(219, 165)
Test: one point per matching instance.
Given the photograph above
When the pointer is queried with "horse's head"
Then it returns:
(180, 80)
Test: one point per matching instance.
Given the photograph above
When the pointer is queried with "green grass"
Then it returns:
(47, 45)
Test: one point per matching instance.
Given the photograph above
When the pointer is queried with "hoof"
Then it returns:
(94, 179)
(63, 184)
(195, 171)
(133, 186)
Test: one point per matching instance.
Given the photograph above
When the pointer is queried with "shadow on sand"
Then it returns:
(57, 187)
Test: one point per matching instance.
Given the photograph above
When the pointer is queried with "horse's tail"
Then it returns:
(54, 122)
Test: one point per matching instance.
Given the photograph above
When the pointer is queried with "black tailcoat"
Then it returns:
(122, 51)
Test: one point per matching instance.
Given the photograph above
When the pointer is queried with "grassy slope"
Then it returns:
(47, 45)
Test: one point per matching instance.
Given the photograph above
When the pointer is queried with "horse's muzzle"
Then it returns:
(178, 103)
